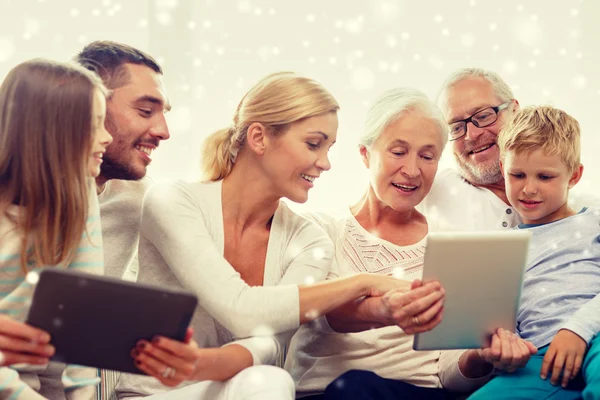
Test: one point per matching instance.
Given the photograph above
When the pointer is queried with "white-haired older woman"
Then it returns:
(383, 233)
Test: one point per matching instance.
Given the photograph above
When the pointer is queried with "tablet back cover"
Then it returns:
(482, 273)
(96, 321)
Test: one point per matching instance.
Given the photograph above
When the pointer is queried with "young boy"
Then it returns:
(560, 305)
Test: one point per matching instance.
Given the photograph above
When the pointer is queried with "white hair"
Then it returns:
(499, 86)
(388, 108)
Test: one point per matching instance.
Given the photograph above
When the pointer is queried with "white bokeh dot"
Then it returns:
(244, 6)
(363, 79)
(354, 26)
(7, 49)
(579, 82)
(391, 40)
(163, 17)
(387, 11)
(467, 40)
(32, 277)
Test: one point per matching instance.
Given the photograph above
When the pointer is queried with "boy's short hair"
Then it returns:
(108, 60)
(546, 128)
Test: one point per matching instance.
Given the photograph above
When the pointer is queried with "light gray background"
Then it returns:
(212, 51)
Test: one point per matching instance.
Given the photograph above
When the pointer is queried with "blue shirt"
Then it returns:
(562, 279)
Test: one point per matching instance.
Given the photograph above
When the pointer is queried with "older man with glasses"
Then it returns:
(476, 104)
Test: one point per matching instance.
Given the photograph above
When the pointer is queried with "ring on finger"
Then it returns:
(168, 372)
(416, 320)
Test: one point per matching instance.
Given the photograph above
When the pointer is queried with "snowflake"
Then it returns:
(398, 273)
(363, 79)
(353, 26)
(263, 330)
(312, 315)
(391, 40)
(467, 40)
(509, 67)
(387, 11)
(580, 82)
(199, 92)
(436, 62)
(163, 17)
(168, 4)
(244, 6)
(32, 277)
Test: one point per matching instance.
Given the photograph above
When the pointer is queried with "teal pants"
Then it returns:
(526, 383)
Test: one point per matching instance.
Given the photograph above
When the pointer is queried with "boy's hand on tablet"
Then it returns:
(566, 351)
(507, 351)
(22, 343)
(418, 310)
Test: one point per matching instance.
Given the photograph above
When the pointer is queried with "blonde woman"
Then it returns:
(52, 139)
(247, 256)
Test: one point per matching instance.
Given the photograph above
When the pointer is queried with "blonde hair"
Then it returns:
(542, 127)
(45, 143)
(276, 101)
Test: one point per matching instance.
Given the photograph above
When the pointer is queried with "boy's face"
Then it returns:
(537, 185)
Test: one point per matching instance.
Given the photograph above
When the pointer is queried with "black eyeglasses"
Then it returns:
(480, 119)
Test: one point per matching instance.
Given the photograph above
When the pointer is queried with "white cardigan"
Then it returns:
(182, 245)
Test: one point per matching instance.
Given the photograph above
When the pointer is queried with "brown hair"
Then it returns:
(546, 128)
(276, 101)
(108, 60)
(45, 142)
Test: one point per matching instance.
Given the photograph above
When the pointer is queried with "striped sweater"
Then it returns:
(16, 291)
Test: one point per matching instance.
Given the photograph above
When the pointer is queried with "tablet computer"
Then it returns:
(96, 320)
(482, 274)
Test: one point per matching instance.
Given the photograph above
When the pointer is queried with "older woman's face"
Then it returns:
(403, 160)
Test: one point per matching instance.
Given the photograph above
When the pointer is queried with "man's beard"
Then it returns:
(478, 174)
(113, 165)
(114, 169)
